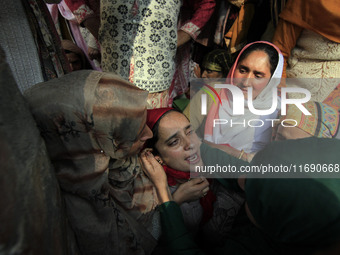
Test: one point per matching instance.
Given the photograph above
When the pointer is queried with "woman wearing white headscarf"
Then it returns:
(258, 66)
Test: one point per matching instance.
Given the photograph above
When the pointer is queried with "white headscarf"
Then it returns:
(243, 136)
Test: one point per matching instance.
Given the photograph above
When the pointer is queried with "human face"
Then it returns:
(253, 71)
(178, 144)
(207, 73)
(291, 132)
(144, 134)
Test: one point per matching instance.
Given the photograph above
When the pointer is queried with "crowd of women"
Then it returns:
(124, 157)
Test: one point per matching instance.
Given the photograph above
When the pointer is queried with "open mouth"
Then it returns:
(193, 159)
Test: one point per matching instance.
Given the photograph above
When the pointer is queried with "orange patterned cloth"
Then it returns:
(334, 98)
(320, 16)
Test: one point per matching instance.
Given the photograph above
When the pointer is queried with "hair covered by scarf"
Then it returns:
(218, 60)
(323, 121)
(239, 136)
(173, 175)
(89, 120)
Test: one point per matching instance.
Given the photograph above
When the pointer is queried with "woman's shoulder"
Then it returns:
(193, 110)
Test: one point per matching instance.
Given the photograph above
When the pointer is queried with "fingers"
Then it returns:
(197, 71)
(148, 163)
(201, 186)
(200, 183)
(197, 184)
(199, 180)
(148, 158)
(205, 191)
(145, 161)
(147, 149)
(153, 169)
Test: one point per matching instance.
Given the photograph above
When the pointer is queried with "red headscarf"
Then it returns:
(155, 114)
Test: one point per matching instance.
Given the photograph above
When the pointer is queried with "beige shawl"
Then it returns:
(89, 121)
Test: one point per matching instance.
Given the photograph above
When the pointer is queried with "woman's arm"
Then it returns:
(232, 151)
(193, 110)
(215, 157)
(188, 191)
(156, 174)
(178, 238)
(202, 11)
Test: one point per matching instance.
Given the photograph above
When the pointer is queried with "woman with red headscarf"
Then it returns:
(208, 208)
(295, 216)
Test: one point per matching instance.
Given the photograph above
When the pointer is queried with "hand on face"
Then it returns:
(156, 174)
(197, 71)
(191, 190)
(153, 169)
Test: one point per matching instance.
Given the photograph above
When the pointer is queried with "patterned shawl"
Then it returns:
(324, 121)
(89, 121)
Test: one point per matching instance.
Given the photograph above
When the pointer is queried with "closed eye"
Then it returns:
(190, 131)
(173, 142)
(259, 75)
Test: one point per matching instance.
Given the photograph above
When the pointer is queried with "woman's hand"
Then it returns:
(156, 174)
(197, 71)
(182, 38)
(191, 190)
(93, 53)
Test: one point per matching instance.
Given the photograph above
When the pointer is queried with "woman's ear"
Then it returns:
(159, 160)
